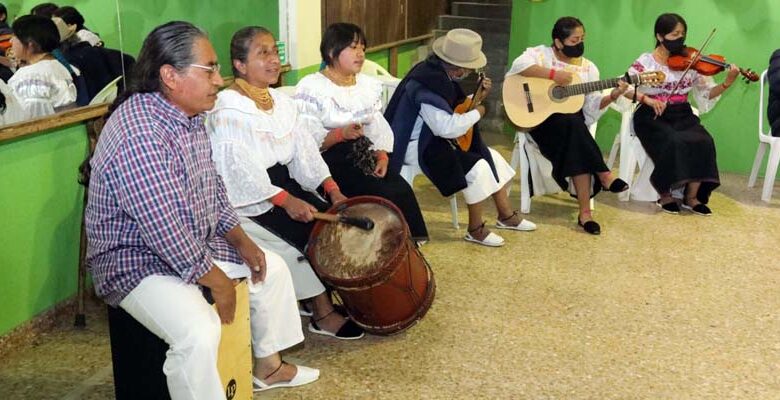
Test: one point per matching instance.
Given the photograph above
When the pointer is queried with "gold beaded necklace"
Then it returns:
(350, 80)
(261, 96)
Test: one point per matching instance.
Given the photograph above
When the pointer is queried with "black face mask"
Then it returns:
(574, 51)
(675, 46)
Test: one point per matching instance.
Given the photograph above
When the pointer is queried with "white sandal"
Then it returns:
(303, 376)
(491, 240)
(524, 225)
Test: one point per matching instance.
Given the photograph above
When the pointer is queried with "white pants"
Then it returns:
(305, 281)
(177, 312)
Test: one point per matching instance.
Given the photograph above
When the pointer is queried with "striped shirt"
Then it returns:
(156, 204)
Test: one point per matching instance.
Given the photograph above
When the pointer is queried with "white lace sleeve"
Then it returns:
(701, 93)
(307, 166)
(591, 109)
(310, 111)
(380, 133)
(246, 181)
(530, 57)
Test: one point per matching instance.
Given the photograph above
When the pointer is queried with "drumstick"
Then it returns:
(360, 222)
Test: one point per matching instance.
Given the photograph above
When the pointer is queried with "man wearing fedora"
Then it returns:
(425, 126)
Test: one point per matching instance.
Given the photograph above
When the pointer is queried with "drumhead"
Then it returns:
(346, 252)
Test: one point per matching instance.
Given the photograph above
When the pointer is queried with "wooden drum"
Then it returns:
(384, 281)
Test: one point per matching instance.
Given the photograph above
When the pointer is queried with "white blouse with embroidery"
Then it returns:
(324, 106)
(246, 141)
(544, 56)
(698, 85)
(44, 88)
(14, 112)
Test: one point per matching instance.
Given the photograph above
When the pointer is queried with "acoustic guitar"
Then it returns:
(530, 101)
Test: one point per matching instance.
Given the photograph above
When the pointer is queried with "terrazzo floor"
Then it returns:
(656, 307)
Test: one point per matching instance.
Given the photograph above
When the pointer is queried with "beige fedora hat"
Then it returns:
(461, 47)
(65, 30)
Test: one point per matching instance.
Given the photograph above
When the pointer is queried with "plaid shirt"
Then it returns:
(156, 204)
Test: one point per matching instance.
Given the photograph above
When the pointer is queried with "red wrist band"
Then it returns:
(381, 155)
(552, 73)
(338, 135)
(329, 185)
(279, 198)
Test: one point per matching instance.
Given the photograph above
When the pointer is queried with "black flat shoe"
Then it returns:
(591, 227)
(671, 207)
(618, 185)
(699, 209)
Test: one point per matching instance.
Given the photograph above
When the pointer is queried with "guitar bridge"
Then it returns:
(528, 102)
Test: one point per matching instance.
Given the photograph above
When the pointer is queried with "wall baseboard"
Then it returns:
(31, 330)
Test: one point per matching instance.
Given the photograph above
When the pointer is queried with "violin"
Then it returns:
(706, 65)
(470, 103)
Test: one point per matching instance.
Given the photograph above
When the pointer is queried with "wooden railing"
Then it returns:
(392, 65)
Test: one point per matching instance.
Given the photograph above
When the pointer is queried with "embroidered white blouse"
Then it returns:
(698, 85)
(324, 106)
(246, 141)
(588, 72)
(14, 112)
(43, 88)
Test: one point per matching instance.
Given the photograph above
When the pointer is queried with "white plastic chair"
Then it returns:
(108, 93)
(633, 156)
(526, 157)
(389, 82)
(409, 172)
(765, 139)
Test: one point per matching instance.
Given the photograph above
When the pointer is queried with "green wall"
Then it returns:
(618, 31)
(40, 207)
(40, 199)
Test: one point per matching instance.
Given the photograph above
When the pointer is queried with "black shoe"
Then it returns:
(349, 331)
(591, 227)
(699, 209)
(618, 185)
(671, 207)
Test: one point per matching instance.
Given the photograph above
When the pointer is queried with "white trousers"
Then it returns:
(305, 281)
(177, 312)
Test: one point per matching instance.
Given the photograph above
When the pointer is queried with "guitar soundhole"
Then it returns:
(558, 93)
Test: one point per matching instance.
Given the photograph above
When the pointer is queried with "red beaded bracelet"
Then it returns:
(279, 198)
(329, 185)
(552, 73)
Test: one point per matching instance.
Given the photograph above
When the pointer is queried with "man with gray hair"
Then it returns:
(160, 227)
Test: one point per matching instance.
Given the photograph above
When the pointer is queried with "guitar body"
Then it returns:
(530, 101)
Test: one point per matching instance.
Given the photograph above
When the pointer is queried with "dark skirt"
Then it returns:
(353, 182)
(682, 150)
(565, 140)
(278, 222)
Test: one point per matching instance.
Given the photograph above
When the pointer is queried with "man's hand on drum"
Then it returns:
(222, 292)
(298, 209)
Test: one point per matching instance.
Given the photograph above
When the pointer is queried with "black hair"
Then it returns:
(172, 44)
(71, 16)
(239, 44)
(338, 37)
(38, 32)
(564, 27)
(44, 10)
(4, 10)
(665, 24)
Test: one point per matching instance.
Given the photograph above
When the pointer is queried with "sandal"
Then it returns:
(491, 239)
(303, 376)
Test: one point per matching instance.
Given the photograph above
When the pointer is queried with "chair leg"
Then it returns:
(771, 173)
(514, 162)
(757, 164)
(454, 211)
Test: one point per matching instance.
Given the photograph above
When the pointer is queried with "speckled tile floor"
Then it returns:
(657, 307)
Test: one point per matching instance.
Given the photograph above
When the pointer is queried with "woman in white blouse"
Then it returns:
(564, 139)
(42, 84)
(272, 170)
(342, 110)
(681, 149)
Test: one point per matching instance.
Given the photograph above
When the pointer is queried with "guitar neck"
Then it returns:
(587, 87)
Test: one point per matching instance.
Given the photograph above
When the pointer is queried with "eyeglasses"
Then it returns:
(211, 68)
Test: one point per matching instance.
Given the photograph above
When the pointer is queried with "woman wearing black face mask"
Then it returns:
(681, 149)
(564, 139)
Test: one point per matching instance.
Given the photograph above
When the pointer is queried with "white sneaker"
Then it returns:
(524, 225)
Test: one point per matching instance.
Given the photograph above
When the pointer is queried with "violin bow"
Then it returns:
(690, 64)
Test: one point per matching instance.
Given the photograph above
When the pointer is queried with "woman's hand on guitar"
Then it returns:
(298, 209)
(562, 78)
(657, 105)
(619, 90)
(352, 131)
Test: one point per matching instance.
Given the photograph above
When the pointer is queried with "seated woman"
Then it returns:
(422, 117)
(272, 168)
(75, 20)
(564, 139)
(42, 84)
(341, 108)
(681, 149)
